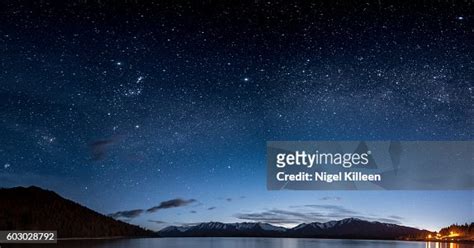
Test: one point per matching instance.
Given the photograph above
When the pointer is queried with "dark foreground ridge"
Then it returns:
(34, 208)
(350, 228)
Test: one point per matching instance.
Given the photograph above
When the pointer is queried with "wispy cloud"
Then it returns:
(396, 217)
(334, 208)
(129, 214)
(280, 217)
(99, 148)
(330, 198)
(159, 222)
(230, 199)
(310, 213)
(174, 203)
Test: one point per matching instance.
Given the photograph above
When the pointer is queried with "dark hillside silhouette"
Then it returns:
(33, 208)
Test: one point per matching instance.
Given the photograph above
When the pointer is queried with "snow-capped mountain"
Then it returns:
(352, 228)
(218, 229)
(345, 228)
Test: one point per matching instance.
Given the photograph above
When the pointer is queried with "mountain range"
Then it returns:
(346, 228)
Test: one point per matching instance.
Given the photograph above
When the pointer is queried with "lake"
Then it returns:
(247, 243)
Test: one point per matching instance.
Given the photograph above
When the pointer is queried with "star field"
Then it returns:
(105, 101)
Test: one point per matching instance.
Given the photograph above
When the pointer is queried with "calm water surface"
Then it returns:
(249, 243)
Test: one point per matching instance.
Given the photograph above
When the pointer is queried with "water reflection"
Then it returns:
(242, 243)
(441, 245)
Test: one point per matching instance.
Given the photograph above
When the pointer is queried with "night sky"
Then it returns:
(129, 106)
